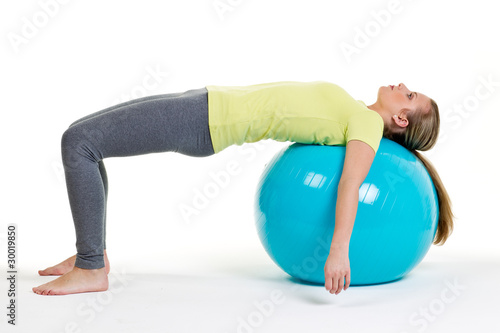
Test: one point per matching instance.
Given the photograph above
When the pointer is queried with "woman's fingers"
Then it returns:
(328, 283)
(340, 284)
(335, 284)
(347, 280)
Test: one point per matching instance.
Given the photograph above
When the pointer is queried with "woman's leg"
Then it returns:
(171, 122)
(104, 177)
(122, 105)
(127, 104)
(68, 264)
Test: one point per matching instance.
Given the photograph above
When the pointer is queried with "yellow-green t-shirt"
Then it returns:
(312, 113)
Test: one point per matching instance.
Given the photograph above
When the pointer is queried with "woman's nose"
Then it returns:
(402, 86)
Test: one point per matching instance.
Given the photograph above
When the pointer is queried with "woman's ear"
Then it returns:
(400, 119)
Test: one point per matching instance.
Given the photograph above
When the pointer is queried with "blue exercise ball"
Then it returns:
(395, 224)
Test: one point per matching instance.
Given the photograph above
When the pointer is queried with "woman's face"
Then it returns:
(395, 98)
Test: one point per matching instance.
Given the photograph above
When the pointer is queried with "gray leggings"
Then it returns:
(154, 124)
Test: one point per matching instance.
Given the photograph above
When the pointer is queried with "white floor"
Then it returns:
(443, 294)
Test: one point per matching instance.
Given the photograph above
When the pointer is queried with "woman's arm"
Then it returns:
(358, 160)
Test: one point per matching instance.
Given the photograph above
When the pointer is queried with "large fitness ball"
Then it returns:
(395, 222)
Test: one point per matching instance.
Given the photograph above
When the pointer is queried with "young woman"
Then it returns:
(205, 121)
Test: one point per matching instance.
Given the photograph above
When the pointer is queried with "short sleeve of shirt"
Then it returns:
(367, 127)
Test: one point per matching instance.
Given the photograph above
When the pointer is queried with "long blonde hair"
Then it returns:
(421, 134)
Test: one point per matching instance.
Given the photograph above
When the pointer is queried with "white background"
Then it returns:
(88, 55)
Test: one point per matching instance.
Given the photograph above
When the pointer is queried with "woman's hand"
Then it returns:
(337, 268)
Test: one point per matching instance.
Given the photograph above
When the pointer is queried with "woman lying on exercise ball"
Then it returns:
(205, 121)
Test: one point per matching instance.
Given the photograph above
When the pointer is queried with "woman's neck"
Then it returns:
(385, 117)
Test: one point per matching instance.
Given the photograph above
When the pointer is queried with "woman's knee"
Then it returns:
(77, 143)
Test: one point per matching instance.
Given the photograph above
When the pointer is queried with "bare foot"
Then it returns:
(78, 280)
(67, 265)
